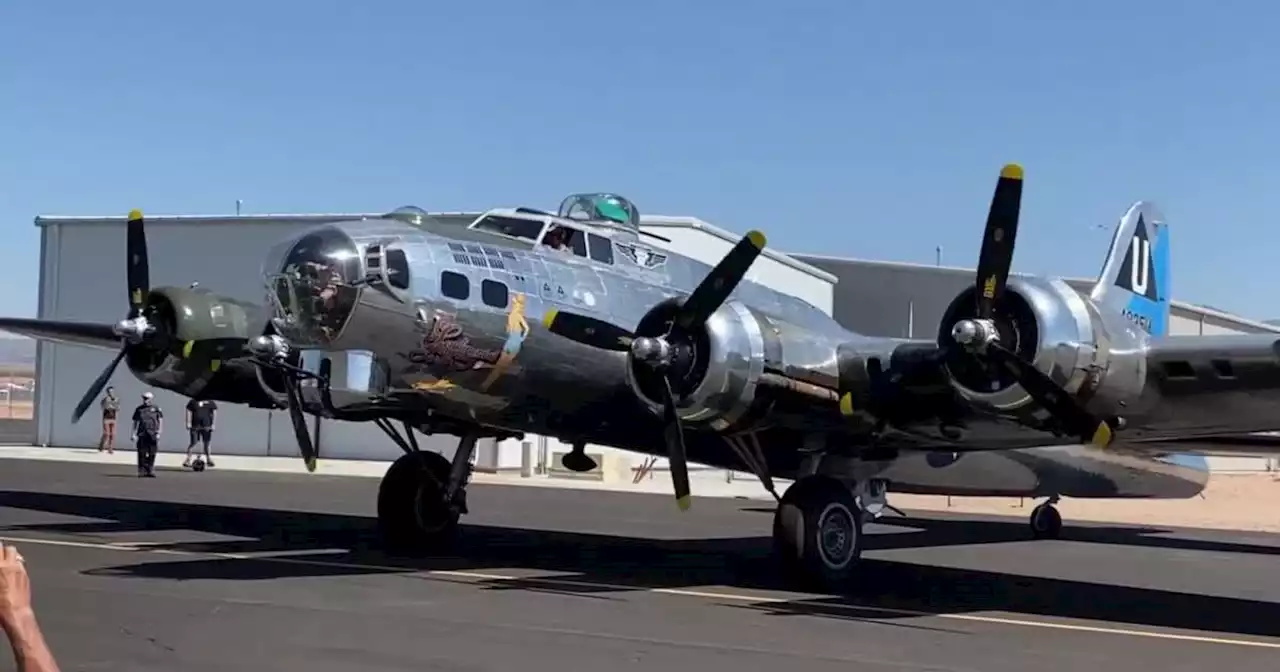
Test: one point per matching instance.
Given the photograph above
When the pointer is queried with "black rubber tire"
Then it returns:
(412, 515)
(1045, 522)
(797, 532)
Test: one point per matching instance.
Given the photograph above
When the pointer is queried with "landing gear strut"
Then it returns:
(817, 531)
(423, 494)
(1046, 522)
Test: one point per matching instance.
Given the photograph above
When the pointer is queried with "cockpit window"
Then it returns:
(566, 239)
(397, 268)
(527, 229)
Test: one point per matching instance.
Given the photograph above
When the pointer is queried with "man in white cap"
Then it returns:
(148, 421)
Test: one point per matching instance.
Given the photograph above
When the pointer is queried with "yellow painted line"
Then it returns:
(144, 547)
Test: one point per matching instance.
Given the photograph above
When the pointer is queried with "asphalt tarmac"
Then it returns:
(236, 570)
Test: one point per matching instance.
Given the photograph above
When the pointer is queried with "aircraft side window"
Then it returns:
(528, 229)
(493, 293)
(601, 248)
(578, 242)
(567, 239)
(397, 268)
(455, 285)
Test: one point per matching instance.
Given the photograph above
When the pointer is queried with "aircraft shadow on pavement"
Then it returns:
(323, 544)
(951, 529)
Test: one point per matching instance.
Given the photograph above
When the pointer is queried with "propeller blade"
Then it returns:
(96, 388)
(588, 330)
(721, 281)
(1074, 418)
(138, 266)
(300, 425)
(673, 432)
(996, 257)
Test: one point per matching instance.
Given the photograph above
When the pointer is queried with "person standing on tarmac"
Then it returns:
(110, 409)
(200, 414)
(148, 422)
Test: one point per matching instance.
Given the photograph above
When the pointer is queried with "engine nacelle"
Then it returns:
(729, 355)
(187, 314)
(1098, 358)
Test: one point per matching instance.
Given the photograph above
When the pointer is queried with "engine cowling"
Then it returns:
(729, 354)
(1095, 357)
(180, 315)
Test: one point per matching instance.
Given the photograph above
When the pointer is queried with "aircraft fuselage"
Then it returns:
(453, 324)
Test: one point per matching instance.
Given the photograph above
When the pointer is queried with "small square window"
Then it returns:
(455, 285)
(601, 249)
(493, 293)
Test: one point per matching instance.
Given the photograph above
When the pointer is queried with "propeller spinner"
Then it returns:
(671, 354)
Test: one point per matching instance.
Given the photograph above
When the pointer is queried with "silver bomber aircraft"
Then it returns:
(573, 325)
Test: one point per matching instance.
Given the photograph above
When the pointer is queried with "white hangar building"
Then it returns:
(82, 277)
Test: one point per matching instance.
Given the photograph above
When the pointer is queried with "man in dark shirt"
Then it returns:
(200, 414)
(148, 421)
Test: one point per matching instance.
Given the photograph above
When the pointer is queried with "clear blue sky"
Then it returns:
(868, 129)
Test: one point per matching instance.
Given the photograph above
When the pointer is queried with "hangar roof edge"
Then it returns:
(646, 221)
(1085, 282)
(784, 258)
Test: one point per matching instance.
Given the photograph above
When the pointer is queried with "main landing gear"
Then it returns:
(817, 531)
(423, 494)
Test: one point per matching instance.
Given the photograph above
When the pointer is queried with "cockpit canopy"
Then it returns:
(409, 214)
(601, 207)
(584, 225)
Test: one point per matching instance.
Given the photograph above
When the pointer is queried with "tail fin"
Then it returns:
(1135, 277)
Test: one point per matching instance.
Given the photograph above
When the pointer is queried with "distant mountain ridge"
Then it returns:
(18, 351)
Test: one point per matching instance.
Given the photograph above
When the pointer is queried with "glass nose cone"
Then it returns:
(317, 287)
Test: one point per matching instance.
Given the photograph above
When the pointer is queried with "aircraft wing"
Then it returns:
(1199, 386)
(94, 334)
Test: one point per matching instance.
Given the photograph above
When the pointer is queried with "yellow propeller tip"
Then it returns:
(135, 214)
(756, 239)
(1011, 171)
(1102, 436)
(846, 405)
(311, 465)
(683, 502)
(550, 317)
(186, 349)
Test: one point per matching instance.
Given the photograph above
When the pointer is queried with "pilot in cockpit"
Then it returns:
(557, 238)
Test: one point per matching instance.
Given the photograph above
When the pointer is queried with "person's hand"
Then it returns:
(15, 585)
(133, 438)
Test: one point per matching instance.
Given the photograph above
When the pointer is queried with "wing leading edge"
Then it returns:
(94, 334)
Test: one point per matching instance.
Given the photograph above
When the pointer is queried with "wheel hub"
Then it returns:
(430, 511)
(836, 536)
